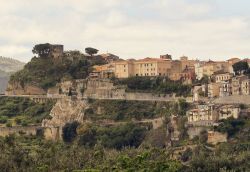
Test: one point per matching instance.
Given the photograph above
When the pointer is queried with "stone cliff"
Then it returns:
(64, 111)
(17, 88)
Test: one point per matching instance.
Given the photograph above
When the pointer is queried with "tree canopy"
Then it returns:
(42, 50)
(91, 51)
(240, 67)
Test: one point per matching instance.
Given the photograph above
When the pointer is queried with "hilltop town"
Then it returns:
(101, 99)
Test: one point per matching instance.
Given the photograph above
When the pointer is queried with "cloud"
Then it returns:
(130, 29)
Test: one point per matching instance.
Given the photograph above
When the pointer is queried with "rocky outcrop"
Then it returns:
(16, 88)
(64, 111)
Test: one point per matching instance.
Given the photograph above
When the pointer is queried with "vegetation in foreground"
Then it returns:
(33, 154)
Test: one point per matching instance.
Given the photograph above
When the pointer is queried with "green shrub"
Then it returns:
(113, 137)
(155, 84)
(9, 124)
(3, 119)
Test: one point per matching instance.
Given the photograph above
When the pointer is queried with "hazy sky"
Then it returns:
(215, 29)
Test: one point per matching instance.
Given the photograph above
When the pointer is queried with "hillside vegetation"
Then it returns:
(22, 111)
(122, 110)
(161, 85)
(46, 72)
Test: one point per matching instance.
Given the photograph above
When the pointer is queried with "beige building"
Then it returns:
(220, 77)
(143, 67)
(152, 67)
(164, 66)
(124, 68)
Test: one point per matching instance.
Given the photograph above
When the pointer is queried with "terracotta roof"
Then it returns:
(234, 58)
(152, 59)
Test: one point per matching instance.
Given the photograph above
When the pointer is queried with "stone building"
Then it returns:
(203, 115)
(208, 115)
(222, 76)
(216, 137)
(56, 50)
(236, 84)
(214, 90)
(245, 87)
(164, 66)
(225, 89)
(228, 111)
(209, 68)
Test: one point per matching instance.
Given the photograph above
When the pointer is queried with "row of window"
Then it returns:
(219, 78)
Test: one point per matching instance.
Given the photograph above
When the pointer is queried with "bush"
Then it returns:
(9, 124)
(47, 72)
(155, 84)
(230, 126)
(3, 119)
(23, 109)
(18, 121)
(113, 137)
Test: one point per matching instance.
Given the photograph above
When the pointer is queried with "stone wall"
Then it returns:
(52, 133)
(236, 99)
(195, 131)
(20, 130)
(216, 137)
(104, 89)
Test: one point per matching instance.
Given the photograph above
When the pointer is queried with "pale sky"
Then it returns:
(204, 29)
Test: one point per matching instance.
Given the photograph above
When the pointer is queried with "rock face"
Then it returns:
(64, 111)
(26, 89)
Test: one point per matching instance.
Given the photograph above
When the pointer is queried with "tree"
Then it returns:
(91, 51)
(183, 107)
(43, 50)
(240, 67)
